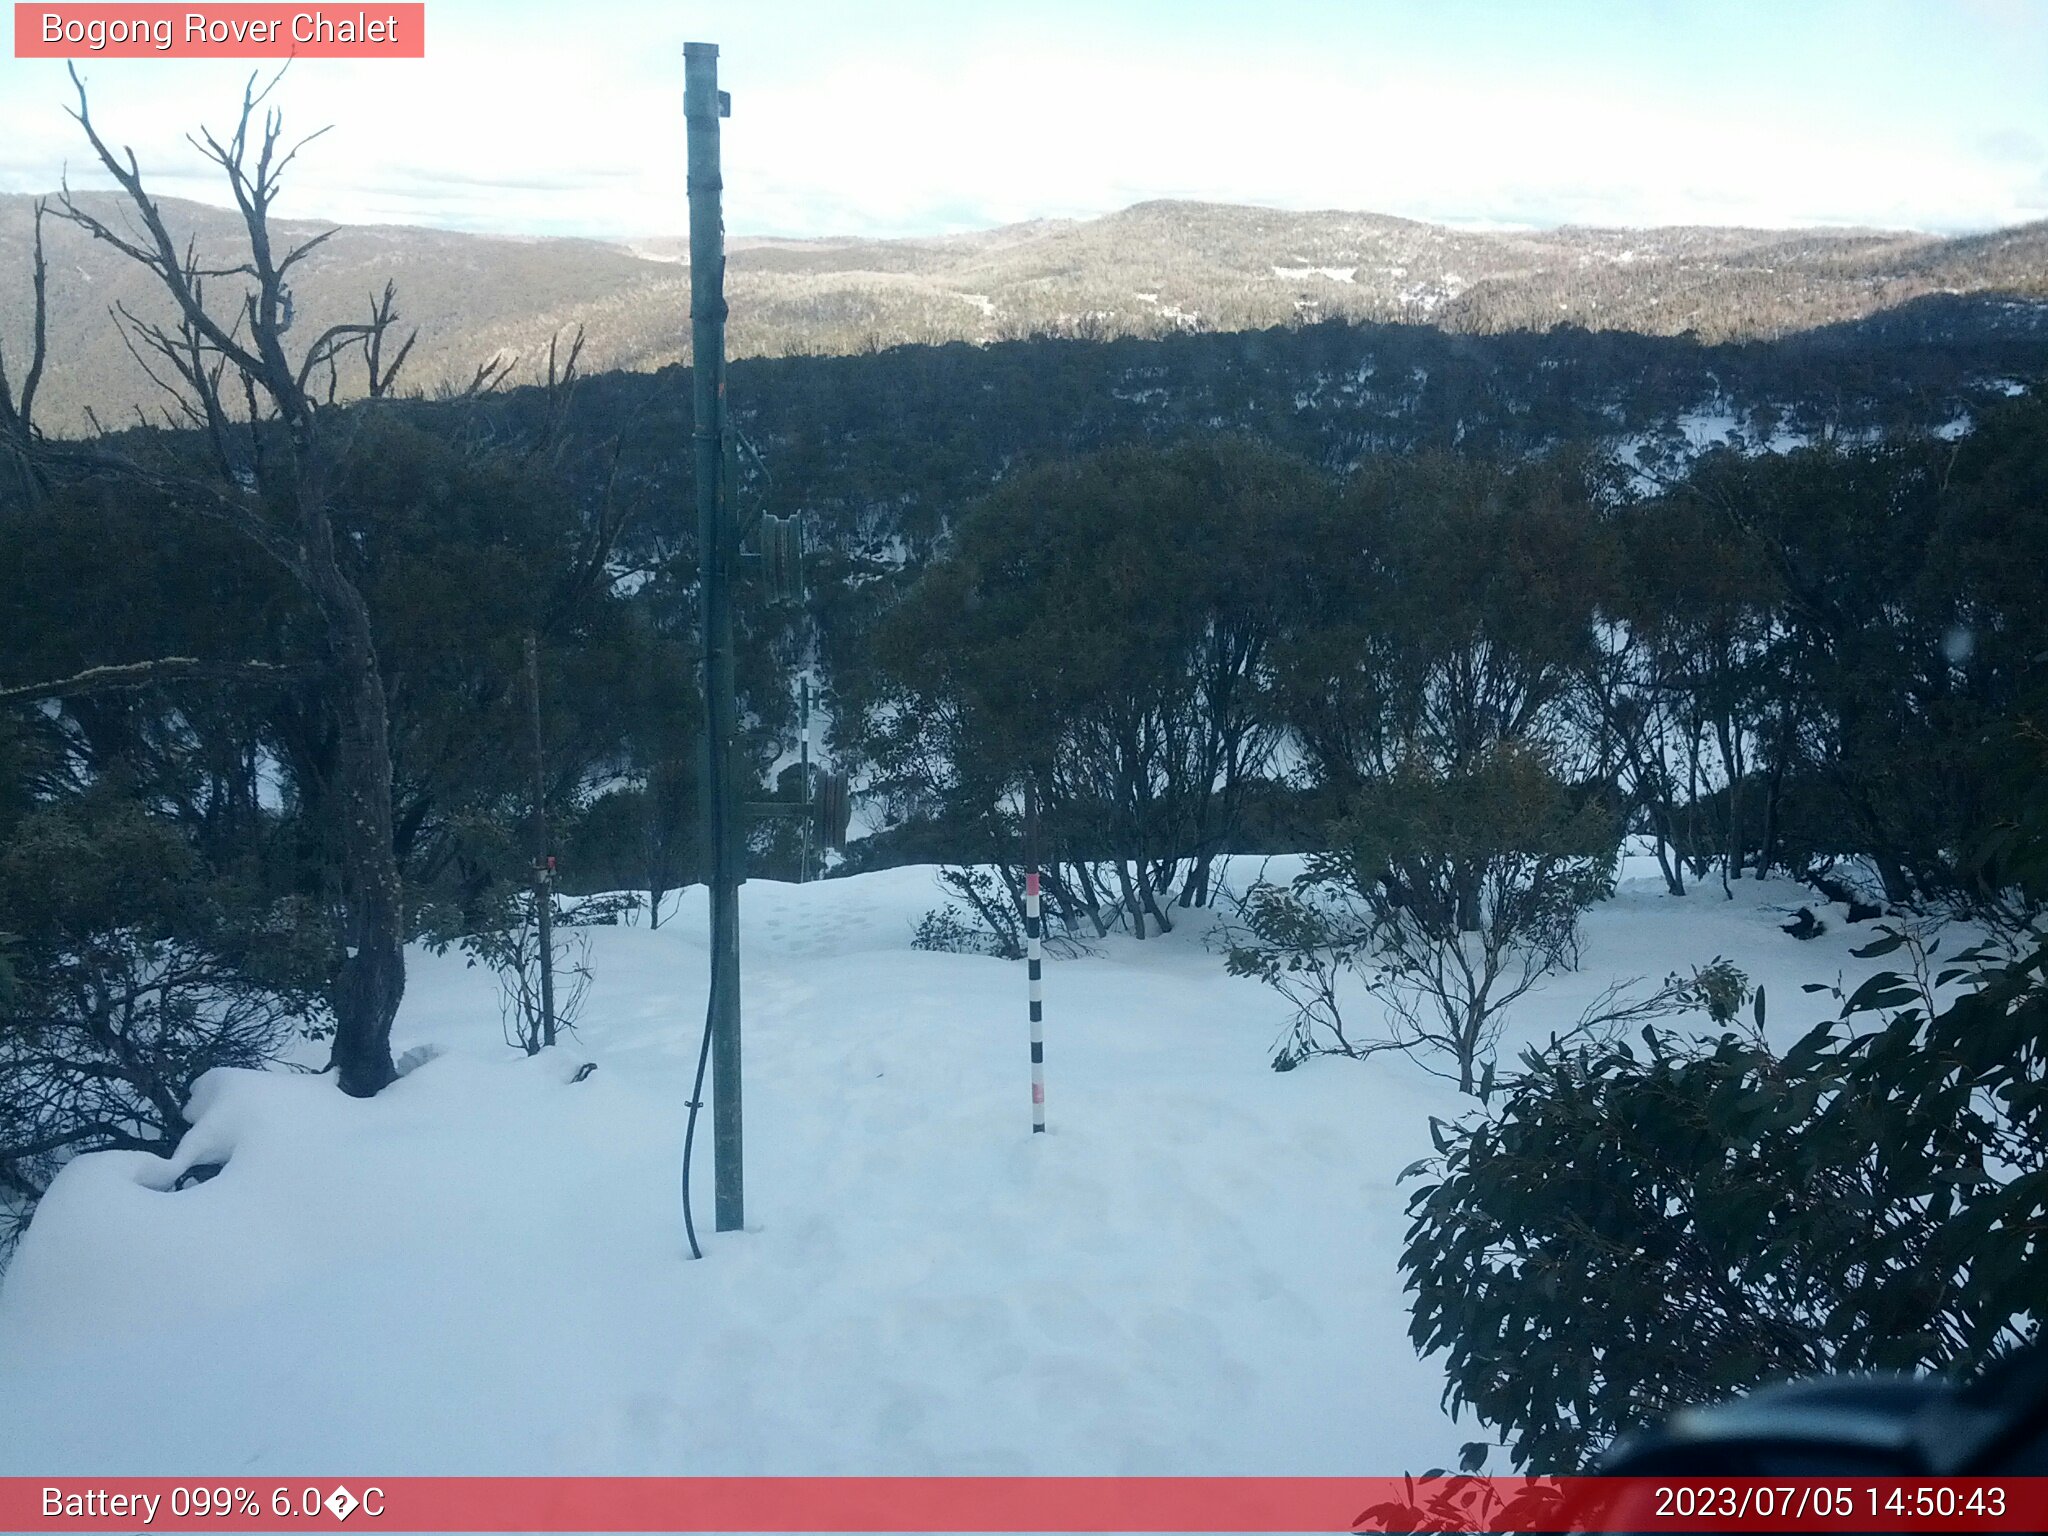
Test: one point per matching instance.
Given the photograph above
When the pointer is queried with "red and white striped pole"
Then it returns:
(1034, 957)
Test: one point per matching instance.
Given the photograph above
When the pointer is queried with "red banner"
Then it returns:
(375, 31)
(1193, 1504)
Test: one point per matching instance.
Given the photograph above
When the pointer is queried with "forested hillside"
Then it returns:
(889, 446)
(1156, 269)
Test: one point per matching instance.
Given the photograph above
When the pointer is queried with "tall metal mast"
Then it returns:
(703, 105)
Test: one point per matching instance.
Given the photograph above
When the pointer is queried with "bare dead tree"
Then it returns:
(490, 374)
(277, 459)
(384, 315)
(17, 412)
(558, 387)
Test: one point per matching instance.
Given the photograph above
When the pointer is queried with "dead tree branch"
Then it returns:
(146, 674)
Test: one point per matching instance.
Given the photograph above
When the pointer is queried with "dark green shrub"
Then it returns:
(1626, 1232)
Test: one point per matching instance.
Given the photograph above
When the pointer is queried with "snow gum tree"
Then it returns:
(1107, 627)
(1426, 674)
(213, 336)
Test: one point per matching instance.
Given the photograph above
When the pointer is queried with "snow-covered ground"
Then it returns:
(483, 1269)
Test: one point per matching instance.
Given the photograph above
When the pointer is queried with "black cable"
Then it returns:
(697, 1103)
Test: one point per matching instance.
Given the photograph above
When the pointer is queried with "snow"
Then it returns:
(482, 1270)
(1334, 274)
(1705, 428)
(1719, 421)
(1715, 422)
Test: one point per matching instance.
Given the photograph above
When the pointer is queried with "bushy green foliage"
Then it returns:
(1105, 627)
(135, 968)
(1446, 605)
(1721, 989)
(174, 882)
(1829, 645)
(997, 922)
(507, 943)
(1631, 1230)
(1501, 842)
(948, 930)
(1443, 622)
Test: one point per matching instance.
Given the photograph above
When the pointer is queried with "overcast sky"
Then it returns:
(887, 117)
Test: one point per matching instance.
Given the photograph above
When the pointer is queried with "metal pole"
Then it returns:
(803, 858)
(543, 866)
(703, 105)
(1034, 959)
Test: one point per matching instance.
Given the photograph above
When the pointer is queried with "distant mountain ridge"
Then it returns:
(1152, 269)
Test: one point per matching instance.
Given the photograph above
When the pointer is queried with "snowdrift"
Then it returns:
(483, 1270)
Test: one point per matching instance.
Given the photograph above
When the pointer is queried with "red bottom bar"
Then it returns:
(1109, 1504)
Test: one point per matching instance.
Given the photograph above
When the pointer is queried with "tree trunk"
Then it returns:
(1131, 902)
(372, 977)
(1466, 882)
(1767, 841)
(996, 920)
(1891, 874)
(1152, 905)
(1091, 899)
(1674, 874)
(1730, 738)
(1063, 900)
(1773, 791)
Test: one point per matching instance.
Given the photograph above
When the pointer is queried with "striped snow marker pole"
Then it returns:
(1034, 958)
